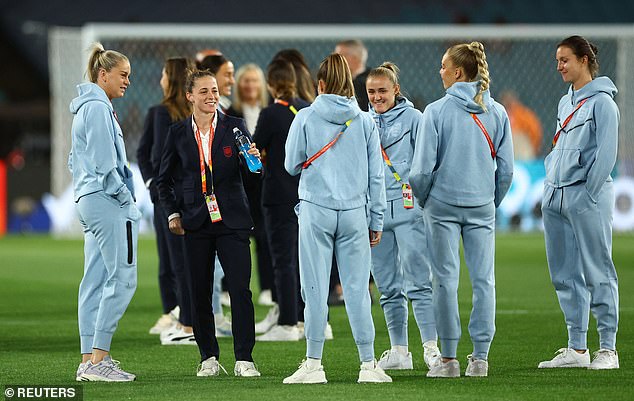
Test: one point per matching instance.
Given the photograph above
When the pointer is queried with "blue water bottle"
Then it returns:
(243, 142)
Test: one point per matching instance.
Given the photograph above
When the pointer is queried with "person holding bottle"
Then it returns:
(214, 218)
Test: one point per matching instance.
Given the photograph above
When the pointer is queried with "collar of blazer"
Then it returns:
(219, 133)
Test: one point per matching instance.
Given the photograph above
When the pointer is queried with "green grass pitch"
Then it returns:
(39, 277)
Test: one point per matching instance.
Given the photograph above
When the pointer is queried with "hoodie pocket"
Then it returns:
(563, 166)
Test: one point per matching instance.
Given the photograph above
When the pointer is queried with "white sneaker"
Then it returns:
(210, 367)
(305, 374)
(431, 353)
(179, 337)
(371, 372)
(163, 323)
(269, 321)
(328, 332)
(392, 359)
(567, 358)
(225, 299)
(445, 369)
(246, 369)
(223, 328)
(174, 328)
(266, 298)
(280, 333)
(477, 367)
(80, 369)
(605, 359)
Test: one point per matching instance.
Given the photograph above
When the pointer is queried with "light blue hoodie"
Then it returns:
(452, 160)
(349, 174)
(398, 129)
(97, 158)
(587, 147)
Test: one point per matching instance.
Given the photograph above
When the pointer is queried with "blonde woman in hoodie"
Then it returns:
(335, 149)
(104, 198)
(462, 169)
(577, 207)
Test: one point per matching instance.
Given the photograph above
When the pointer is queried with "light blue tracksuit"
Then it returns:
(104, 197)
(334, 193)
(577, 211)
(400, 263)
(455, 177)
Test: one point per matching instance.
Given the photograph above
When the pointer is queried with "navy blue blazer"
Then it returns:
(150, 150)
(180, 156)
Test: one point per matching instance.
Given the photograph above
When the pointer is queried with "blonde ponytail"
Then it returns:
(101, 58)
(483, 70)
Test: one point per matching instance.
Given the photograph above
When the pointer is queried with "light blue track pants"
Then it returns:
(578, 234)
(476, 225)
(322, 231)
(401, 270)
(110, 269)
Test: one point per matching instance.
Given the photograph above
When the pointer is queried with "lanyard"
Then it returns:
(566, 121)
(389, 165)
(285, 103)
(328, 146)
(201, 157)
(486, 134)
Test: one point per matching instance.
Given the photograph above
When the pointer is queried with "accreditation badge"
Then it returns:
(212, 206)
(408, 198)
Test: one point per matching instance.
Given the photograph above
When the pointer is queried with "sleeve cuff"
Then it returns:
(148, 182)
(173, 216)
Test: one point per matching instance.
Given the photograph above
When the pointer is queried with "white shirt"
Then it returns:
(251, 114)
(204, 136)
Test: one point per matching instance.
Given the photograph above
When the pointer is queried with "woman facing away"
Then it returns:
(577, 207)
(462, 169)
(173, 280)
(335, 149)
(104, 198)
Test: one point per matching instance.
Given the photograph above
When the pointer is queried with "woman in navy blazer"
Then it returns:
(206, 139)
(172, 275)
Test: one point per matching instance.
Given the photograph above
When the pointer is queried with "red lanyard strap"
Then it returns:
(566, 121)
(285, 103)
(328, 146)
(486, 134)
(201, 157)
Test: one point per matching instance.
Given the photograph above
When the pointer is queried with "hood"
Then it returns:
(88, 92)
(464, 92)
(402, 104)
(597, 85)
(336, 109)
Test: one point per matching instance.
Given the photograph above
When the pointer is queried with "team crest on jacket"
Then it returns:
(227, 151)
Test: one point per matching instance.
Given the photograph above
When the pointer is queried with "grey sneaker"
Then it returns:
(567, 358)
(80, 369)
(477, 367)
(445, 369)
(107, 370)
(605, 359)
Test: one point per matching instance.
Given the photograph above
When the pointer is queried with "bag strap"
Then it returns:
(325, 148)
(486, 134)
